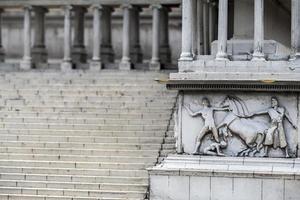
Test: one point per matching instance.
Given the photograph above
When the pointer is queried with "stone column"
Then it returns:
(187, 31)
(206, 27)
(164, 49)
(200, 46)
(222, 30)
(96, 63)
(67, 61)
(135, 50)
(26, 62)
(126, 61)
(195, 25)
(107, 53)
(2, 53)
(258, 30)
(155, 60)
(78, 49)
(295, 37)
(39, 53)
(212, 20)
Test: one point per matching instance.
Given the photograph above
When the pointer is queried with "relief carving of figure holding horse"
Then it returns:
(238, 121)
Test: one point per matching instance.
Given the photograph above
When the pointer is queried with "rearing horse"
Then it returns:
(250, 131)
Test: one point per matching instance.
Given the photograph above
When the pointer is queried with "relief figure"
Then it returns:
(275, 134)
(207, 114)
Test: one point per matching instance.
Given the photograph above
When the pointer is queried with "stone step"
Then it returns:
(88, 139)
(80, 145)
(76, 159)
(72, 171)
(74, 178)
(80, 115)
(90, 133)
(72, 192)
(90, 109)
(83, 127)
(73, 185)
(69, 120)
(87, 152)
(55, 197)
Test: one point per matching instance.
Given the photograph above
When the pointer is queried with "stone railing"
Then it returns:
(74, 52)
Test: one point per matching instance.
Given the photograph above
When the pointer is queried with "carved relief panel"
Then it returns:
(237, 124)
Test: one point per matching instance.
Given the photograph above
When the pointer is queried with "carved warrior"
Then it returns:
(275, 134)
(255, 134)
(207, 113)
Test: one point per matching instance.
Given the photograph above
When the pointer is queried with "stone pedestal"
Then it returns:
(182, 177)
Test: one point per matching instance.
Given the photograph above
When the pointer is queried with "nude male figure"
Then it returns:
(207, 114)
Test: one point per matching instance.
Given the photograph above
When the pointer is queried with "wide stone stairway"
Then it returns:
(82, 135)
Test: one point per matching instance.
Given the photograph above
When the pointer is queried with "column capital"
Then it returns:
(97, 6)
(27, 7)
(68, 7)
(156, 6)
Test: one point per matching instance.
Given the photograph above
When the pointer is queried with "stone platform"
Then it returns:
(185, 177)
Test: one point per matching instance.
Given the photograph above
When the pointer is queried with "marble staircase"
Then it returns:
(82, 135)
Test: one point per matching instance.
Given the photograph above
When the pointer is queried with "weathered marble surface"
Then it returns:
(190, 127)
(206, 178)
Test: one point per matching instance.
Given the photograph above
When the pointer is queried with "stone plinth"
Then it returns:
(182, 177)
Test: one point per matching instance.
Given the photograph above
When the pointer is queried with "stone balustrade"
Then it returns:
(74, 51)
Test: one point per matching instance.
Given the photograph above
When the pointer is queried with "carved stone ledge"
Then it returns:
(258, 82)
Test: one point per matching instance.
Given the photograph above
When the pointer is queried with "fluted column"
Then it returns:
(39, 53)
(67, 60)
(135, 50)
(212, 20)
(126, 61)
(2, 53)
(206, 27)
(295, 37)
(187, 29)
(164, 49)
(78, 49)
(258, 30)
(155, 60)
(107, 53)
(96, 63)
(222, 30)
(200, 46)
(26, 62)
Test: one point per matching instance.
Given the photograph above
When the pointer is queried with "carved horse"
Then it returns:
(250, 131)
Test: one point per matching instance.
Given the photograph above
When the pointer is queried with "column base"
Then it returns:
(154, 66)
(125, 65)
(221, 56)
(66, 66)
(294, 57)
(186, 57)
(26, 64)
(39, 54)
(95, 65)
(258, 56)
